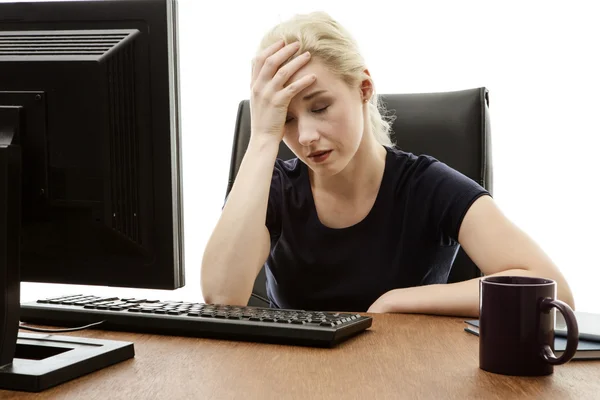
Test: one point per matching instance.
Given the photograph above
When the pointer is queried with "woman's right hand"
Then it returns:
(269, 99)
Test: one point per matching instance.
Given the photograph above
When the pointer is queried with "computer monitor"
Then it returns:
(89, 148)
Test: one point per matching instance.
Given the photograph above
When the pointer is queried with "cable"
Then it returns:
(21, 326)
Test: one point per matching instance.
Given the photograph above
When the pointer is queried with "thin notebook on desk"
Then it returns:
(587, 323)
(586, 349)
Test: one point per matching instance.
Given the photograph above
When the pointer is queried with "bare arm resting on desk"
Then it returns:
(497, 247)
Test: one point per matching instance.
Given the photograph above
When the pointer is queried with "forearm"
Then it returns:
(454, 299)
(234, 252)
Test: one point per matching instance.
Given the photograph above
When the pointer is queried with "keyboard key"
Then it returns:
(84, 302)
(107, 299)
(61, 298)
(73, 300)
(138, 301)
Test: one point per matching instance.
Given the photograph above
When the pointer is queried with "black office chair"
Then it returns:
(453, 127)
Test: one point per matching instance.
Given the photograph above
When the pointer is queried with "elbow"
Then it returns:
(563, 291)
(216, 294)
(211, 295)
(566, 296)
(223, 300)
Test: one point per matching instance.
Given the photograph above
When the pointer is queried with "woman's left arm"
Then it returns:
(498, 247)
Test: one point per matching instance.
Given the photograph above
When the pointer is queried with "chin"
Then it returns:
(331, 168)
(323, 171)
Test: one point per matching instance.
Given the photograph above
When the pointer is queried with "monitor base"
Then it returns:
(43, 361)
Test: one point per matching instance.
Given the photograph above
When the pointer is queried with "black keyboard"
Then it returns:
(256, 324)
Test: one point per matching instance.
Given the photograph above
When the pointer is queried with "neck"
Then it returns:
(362, 175)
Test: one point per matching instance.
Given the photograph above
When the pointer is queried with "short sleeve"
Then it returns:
(273, 220)
(274, 206)
(444, 194)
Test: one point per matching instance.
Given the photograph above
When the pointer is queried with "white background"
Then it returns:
(538, 59)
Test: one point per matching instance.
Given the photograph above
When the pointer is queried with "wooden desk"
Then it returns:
(400, 356)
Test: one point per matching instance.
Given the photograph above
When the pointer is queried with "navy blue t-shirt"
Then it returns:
(409, 238)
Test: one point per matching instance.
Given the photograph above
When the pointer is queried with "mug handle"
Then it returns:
(572, 331)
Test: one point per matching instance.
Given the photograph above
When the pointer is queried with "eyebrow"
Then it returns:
(313, 94)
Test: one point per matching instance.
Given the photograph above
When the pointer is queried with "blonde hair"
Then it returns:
(332, 44)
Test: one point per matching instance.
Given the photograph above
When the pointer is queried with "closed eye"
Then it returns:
(319, 111)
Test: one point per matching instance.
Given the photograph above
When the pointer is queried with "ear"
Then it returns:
(366, 87)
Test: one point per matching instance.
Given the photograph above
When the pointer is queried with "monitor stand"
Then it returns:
(34, 362)
(42, 361)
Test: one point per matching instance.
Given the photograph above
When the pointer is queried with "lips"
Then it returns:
(318, 153)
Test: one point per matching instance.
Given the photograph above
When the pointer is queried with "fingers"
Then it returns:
(284, 73)
(259, 60)
(284, 97)
(268, 62)
(269, 78)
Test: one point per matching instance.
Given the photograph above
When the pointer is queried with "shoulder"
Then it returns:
(426, 174)
(405, 159)
(407, 168)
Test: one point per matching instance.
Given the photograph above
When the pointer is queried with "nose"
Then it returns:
(307, 133)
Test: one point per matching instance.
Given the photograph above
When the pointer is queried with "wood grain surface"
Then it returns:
(400, 356)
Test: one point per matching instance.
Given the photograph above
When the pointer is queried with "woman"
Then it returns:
(351, 224)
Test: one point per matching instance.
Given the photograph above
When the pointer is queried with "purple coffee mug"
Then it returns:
(516, 326)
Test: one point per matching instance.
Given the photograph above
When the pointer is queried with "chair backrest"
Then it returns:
(453, 127)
